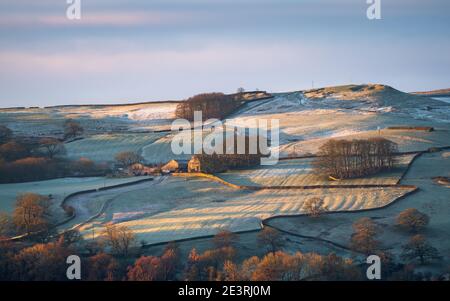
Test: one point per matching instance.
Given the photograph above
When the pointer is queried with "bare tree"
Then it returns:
(315, 207)
(271, 238)
(225, 238)
(128, 158)
(419, 248)
(52, 147)
(72, 129)
(102, 267)
(412, 220)
(231, 271)
(119, 238)
(32, 213)
(364, 236)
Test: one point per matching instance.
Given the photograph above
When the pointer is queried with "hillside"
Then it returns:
(438, 93)
(380, 95)
(99, 118)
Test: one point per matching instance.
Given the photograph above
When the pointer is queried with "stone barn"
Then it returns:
(170, 166)
(194, 164)
(139, 169)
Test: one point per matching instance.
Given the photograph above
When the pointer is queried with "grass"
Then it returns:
(181, 209)
(431, 199)
(299, 172)
(59, 188)
(104, 147)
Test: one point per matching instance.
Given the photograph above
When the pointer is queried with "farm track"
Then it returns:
(106, 204)
(74, 212)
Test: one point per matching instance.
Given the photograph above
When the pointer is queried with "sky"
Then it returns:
(131, 51)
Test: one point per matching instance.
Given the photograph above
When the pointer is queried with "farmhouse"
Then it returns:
(139, 169)
(194, 164)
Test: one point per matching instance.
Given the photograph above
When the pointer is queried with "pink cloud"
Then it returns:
(219, 57)
(97, 19)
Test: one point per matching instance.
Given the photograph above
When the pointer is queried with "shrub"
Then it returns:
(128, 158)
(271, 238)
(364, 236)
(418, 248)
(315, 207)
(12, 151)
(72, 129)
(412, 220)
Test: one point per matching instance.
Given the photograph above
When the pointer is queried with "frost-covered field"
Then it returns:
(177, 208)
(104, 147)
(308, 122)
(58, 188)
(160, 151)
(299, 172)
(94, 118)
(407, 140)
(431, 199)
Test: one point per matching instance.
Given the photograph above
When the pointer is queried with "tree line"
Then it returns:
(116, 255)
(214, 163)
(212, 105)
(33, 158)
(345, 159)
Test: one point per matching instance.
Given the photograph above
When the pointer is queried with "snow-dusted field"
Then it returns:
(160, 151)
(299, 172)
(431, 199)
(175, 208)
(94, 118)
(104, 147)
(178, 208)
(58, 188)
(306, 123)
(407, 140)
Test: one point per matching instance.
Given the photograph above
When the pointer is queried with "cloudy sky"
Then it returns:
(129, 51)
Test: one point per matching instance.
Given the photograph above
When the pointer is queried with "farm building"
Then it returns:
(194, 164)
(170, 166)
(139, 169)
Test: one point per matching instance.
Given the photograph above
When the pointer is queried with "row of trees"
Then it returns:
(365, 237)
(348, 159)
(31, 159)
(212, 105)
(32, 214)
(365, 232)
(222, 162)
(231, 158)
(46, 261)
